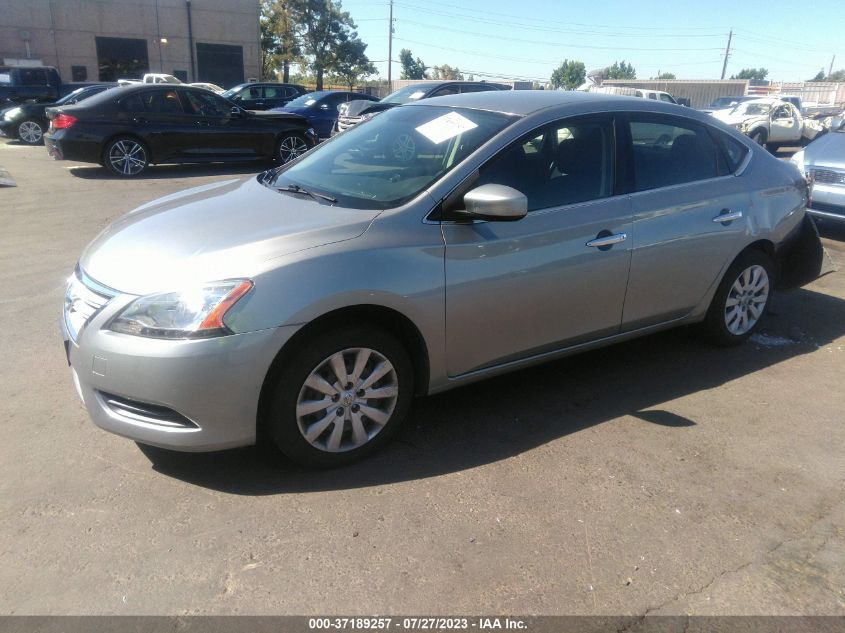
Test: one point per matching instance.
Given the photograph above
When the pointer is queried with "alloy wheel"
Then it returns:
(347, 400)
(290, 147)
(746, 300)
(30, 132)
(127, 157)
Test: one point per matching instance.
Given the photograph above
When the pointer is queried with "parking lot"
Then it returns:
(659, 476)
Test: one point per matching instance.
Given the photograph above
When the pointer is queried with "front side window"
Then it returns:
(205, 104)
(667, 99)
(670, 153)
(565, 163)
(388, 160)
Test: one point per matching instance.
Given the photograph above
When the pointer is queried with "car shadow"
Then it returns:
(503, 417)
(188, 170)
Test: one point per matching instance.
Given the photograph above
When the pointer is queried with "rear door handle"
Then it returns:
(727, 216)
(608, 240)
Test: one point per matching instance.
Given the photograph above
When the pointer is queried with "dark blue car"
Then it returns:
(321, 108)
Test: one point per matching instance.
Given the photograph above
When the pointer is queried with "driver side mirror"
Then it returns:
(236, 111)
(495, 203)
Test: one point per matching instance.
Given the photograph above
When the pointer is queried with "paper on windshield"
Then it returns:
(445, 127)
(416, 95)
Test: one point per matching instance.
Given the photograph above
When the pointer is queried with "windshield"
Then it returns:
(406, 94)
(305, 101)
(388, 160)
(228, 93)
(750, 109)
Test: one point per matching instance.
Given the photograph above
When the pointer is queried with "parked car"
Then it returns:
(310, 304)
(28, 122)
(356, 111)
(725, 103)
(263, 96)
(131, 127)
(823, 162)
(25, 84)
(322, 108)
(657, 95)
(207, 86)
(770, 121)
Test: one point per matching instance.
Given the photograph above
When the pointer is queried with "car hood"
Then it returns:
(828, 151)
(222, 230)
(726, 116)
(361, 106)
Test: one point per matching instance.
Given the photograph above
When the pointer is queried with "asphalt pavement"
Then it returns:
(660, 476)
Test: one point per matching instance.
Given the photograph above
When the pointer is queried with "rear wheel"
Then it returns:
(289, 147)
(126, 157)
(341, 398)
(741, 299)
(31, 132)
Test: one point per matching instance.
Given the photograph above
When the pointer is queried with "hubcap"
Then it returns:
(291, 147)
(127, 157)
(347, 400)
(403, 148)
(747, 300)
(30, 132)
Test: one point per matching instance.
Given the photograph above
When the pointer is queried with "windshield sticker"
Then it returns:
(5, 78)
(417, 94)
(445, 127)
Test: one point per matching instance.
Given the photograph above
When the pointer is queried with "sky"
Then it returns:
(495, 39)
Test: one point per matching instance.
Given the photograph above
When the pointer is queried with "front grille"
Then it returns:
(827, 208)
(136, 411)
(83, 299)
(828, 176)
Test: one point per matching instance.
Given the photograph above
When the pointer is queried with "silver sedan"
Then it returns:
(823, 162)
(438, 244)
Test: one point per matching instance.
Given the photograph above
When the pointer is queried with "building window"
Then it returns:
(122, 58)
(181, 75)
(79, 73)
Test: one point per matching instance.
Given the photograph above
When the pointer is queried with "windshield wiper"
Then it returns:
(305, 192)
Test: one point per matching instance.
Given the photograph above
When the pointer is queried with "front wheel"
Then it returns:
(126, 157)
(741, 299)
(759, 136)
(289, 147)
(342, 397)
(31, 132)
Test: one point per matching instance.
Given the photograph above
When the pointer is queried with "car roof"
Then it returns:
(526, 102)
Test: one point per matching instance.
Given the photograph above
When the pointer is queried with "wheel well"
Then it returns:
(762, 245)
(378, 316)
(134, 137)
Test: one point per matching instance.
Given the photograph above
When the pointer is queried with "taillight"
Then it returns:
(63, 121)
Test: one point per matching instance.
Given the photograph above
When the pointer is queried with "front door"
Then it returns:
(785, 124)
(554, 278)
(219, 133)
(164, 123)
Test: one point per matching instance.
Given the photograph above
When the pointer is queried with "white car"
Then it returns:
(769, 121)
(207, 86)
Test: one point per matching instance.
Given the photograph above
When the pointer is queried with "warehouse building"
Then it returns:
(215, 41)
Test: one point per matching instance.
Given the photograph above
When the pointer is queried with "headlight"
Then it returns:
(798, 160)
(191, 313)
(11, 114)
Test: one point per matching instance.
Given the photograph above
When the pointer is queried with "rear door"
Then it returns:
(518, 289)
(162, 123)
(681, 186)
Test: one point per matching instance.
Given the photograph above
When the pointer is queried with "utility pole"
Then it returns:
(727, 53)
(830, 70)
(390, 51)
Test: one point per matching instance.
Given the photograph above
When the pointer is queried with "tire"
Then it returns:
(773, 147)
(31, 132)
(759, 136)
(126, 157)
(741, 299)
(290, 146)
(316, 422)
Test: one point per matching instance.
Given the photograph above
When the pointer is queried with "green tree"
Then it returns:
(838, 75)
(411, 69)
(322, 28)
(751, 73)
(819, 76)
(569, 75)
(279, 47)
(351, 62)
(446, 72)
(621, 70)
(666, 76)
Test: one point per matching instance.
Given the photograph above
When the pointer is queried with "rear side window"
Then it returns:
(132, 103)
(734, 151)
(670, 153)
(33, 77)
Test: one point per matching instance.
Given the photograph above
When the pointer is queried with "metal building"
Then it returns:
(216, 41)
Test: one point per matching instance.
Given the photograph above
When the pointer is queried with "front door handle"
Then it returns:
(727, 216)
(608, 240)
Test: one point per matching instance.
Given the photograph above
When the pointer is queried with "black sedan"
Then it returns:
(128, 128)
(28, 121)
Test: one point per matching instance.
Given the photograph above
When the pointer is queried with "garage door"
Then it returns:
(220, 64)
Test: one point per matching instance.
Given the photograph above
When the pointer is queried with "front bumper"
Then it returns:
(188, 395)
(828, 200)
